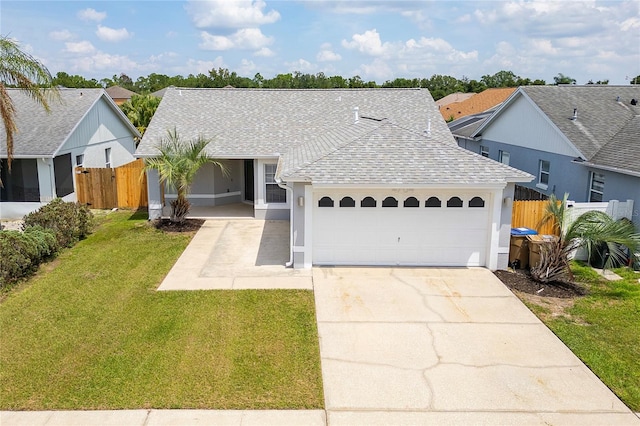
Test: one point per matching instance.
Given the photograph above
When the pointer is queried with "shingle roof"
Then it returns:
(251, 123)
(391, 155)
(117, 92)
(623, 150)
(315, 136)
(453, 97)
(477, 103)
(606, 123)
(41, 134)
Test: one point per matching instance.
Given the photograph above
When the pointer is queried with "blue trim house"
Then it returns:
(581, 140)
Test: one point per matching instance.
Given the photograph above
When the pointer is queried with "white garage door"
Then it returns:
(400, 228)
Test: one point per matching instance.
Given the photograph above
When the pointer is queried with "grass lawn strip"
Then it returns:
(602, 329)
(92, 333)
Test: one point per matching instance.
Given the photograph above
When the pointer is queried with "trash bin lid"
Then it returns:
(523, 231)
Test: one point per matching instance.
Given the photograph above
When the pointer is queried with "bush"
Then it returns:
(70, 222)
(21, 253)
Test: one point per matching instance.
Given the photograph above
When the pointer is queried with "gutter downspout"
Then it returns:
(289, 264)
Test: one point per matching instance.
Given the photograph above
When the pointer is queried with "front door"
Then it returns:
(248, 180)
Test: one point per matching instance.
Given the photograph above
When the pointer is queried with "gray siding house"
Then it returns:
(85, 128)
(581, 140)
(365, 177)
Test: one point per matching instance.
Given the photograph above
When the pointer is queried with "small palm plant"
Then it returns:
(589, 230)
(177, 165)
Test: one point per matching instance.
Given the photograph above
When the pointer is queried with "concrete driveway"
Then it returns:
(446, 346)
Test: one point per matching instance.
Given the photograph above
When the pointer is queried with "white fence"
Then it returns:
(614, 208)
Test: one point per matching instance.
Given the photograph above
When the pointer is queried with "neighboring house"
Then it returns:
(479, 102)
(581, 140)
(85, 128)
(453, 97)
(119, 94)
(366, 177)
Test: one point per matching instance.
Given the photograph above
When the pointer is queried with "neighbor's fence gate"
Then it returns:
(122, 187)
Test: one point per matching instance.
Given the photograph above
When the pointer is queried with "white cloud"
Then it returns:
(196, 66)
(630, 24)
(112, 34)
(368, 43)
(61, 35)
(377, 70)
(230, 13)
(247, 68)
(247, 38)
(264, 52)
(300, 65)
(91, 15)
(327, 55)
(171, 34)
(103, 61)
(81, 47)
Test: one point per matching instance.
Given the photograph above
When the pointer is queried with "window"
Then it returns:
(368, 202)
(476, 202)
(80, 160)
(433, 202)
(272, 192)
(390, 202)
(484, 151)
(107, 158)
(596, 188)
(347, 202)
(504, 157)
(411, 202)
(325, 202)
(543, 174)
(454, 202)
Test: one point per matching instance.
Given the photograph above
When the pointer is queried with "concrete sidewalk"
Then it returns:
(164, 418)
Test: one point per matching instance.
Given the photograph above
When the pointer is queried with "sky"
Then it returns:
(376, 40)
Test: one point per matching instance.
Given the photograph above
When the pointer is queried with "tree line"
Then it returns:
(439, 85)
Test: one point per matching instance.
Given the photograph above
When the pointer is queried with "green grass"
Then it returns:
(603, 330)
(91, 332)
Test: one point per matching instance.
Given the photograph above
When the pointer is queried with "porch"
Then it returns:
(225, 211)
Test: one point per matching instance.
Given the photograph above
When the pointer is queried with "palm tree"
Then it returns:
(20, 69)
(589, 230)
(177, 165)
(140, 109)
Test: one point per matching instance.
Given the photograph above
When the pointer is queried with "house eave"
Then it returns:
(609, 168)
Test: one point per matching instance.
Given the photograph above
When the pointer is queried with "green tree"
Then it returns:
(74, 81)
(635, 80)
(563, 79)
(501, 79)
(140, 109)
(177, 165)
(588, 230)
(20, 69)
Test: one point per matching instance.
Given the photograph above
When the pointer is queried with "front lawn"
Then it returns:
(90, 332)
(602, 328)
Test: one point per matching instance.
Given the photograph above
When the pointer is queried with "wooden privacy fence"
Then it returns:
(528, 214)
(122, 187)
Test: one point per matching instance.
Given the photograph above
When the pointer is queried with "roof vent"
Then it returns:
(575, 114)
(617, 98)
(634, 101)
(356, 118)
(428, 131)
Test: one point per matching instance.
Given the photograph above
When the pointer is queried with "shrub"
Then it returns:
(70, 222)
(21, 253)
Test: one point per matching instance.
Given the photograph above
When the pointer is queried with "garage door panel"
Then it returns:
(400, 236)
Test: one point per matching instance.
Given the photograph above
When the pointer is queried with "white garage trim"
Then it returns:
(421, 236)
